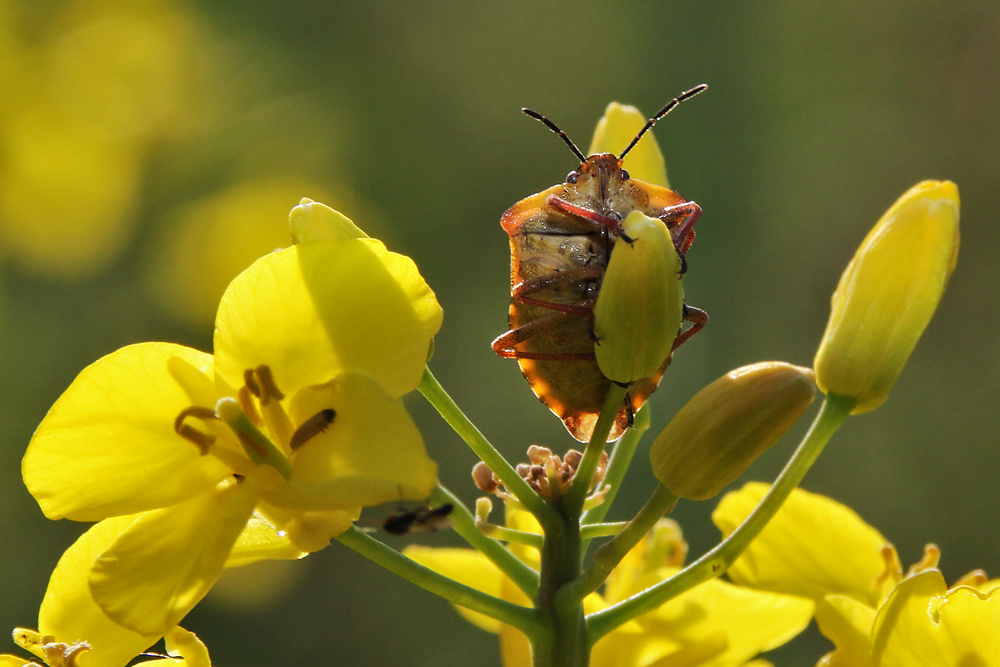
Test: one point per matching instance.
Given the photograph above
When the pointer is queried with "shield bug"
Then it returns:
(560, 243)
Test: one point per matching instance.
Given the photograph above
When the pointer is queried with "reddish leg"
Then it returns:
(521, 290)
(698, 319)
(683, 234)
(504, 344)
(599, 220)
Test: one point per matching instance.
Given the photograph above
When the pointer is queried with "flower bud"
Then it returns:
(312, 221)
(617, 127)
(888, 293)
(727, 425)
(638, 311)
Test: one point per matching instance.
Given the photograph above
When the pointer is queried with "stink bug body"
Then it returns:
(560, 243)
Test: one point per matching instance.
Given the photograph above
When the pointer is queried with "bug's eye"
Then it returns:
(625, 175)
(571, 177)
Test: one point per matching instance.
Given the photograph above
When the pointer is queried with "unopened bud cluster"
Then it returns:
(547, 473)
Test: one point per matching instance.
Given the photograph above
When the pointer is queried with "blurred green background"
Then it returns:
(150, 149)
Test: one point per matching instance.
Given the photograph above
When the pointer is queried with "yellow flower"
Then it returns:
(73, 630)
(715, 437)
(297, 417)
(617, 127)
(888, 293)
(925, 623)
(638, 311)
(874, 614)
(717, 624)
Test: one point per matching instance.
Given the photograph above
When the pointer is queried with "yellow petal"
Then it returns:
(888, 293)
(69, 613)
(848, 624)
(262, 540)
(8, 660)
(312, 221)
(750, 621)
(812, 547)
(312, 531)
(108, 446)
(319, 309)
(166, 562)
(922, 623)
(664, 546)
(466, 566)
(638, 311)
(615, 131)
(370, 453)
(186, 645)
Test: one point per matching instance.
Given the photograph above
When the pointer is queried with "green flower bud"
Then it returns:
(727, 425)
(312, 221)
(638, 311)
(888, 293)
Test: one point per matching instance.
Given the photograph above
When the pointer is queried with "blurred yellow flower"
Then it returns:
(716, 624)
(888, 294)
(83, 105)
(873, 612)
(296, 417)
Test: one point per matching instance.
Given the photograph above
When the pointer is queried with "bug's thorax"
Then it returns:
(601, 185)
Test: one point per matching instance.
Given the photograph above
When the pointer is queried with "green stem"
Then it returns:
(522, 618)
(504, 534)
(618, 465)
(577, 492)
(716, 561)
(609, 554)
(592, 530)
(453, 415)
(566, 643)
(464, 523)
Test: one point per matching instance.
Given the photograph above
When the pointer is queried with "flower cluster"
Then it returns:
(267, 448)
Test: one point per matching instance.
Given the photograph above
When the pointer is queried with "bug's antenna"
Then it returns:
(663, 112)
(555, 128)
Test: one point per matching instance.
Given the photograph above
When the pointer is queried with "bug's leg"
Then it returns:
(597, 221)
(698, 319)
(683, 216)
(522, 290)
(505, 343)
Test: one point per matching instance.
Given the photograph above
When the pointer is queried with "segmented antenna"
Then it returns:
(662, 112)
(555, 128)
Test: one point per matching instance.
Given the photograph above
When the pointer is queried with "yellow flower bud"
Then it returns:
(888, 293)
(312, 221)
(617, 127)
(638, 311)
(727, 425)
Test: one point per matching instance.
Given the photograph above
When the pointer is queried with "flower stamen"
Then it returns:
(203, 441)
(259, 382)
(245, 397)
(311, 427)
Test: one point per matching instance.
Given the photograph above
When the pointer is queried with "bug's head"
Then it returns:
(603, 160)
